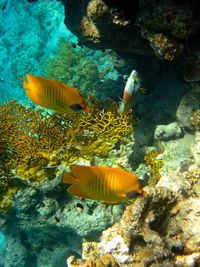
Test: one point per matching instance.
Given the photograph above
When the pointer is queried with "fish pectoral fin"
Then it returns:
(76, 191)
(121, 195)
(68, 178)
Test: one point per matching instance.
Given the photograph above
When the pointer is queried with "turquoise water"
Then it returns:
(1, 239)
(23, 45)
(43, 224)
(30, 33)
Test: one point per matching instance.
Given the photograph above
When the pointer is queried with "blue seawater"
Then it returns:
(1, 239)
(29, 32)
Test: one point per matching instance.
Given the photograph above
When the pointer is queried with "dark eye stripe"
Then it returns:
(132, 194)
(76, 107)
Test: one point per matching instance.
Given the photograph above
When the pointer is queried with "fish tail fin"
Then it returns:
(68, 178)
(25, 83)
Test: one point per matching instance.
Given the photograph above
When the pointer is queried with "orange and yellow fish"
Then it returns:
(110, 185)
(53, 95)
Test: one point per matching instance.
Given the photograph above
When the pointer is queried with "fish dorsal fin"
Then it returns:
(76, 191)
(83, 173)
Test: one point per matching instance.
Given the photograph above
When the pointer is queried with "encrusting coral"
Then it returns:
(164, 46)
(30, 138)
(163, 227)
(104, 260)
(195, 119)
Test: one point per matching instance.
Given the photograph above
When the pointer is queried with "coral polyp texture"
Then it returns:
(155, 229)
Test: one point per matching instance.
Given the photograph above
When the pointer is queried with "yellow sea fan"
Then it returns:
(156, 165)
(108, 125)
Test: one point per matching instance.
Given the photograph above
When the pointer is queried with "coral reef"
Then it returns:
(151, 158)
(164, 47)
(108, 127)
(104, 260)
(73, 67)
(33, 143)
(48, 226)
(103, 24)
(161, 228)
(42, 224)
(28, 134)
(187, 105)
(192, 173)
(195, 119)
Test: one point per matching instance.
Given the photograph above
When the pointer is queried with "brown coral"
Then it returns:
(99, 261)
(154, 229)
(33, 143)
(107, 123)
(27, 133)
(109, 126)
(195, 119)
(101, 24)
(165, 47)
(29, 137)
(156, 165)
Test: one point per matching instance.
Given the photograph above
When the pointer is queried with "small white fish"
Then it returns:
(131, 91)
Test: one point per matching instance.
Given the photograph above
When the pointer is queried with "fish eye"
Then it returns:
(76, 107)
(132, 194)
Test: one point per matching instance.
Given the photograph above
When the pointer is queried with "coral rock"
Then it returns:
(161, 227)
(165, 47)
(120, 25)
(185, 109)
(167, 132)
(195, 119)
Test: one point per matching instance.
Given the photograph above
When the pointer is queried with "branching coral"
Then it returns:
(108, 124)
(72, 66)
(27, 133)
(29, 138)
(156, 165)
